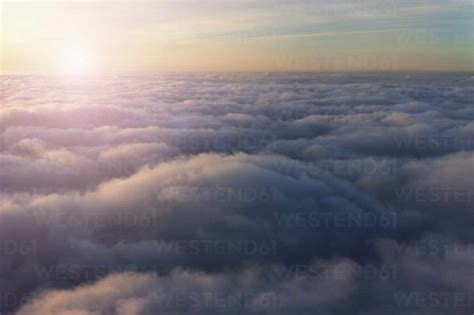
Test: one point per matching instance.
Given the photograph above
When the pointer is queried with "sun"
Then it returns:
(75, 60)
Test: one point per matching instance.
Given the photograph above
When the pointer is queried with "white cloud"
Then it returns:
(126, 173)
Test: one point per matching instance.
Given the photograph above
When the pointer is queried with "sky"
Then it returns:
(340, 35)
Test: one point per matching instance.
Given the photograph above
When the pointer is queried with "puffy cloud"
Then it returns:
(253, 291)
(120, 189)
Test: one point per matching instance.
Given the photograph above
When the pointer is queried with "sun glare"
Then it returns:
(75, 60)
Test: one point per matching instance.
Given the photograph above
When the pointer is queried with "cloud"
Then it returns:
(431, 275)
(250, 292)
(192, 183)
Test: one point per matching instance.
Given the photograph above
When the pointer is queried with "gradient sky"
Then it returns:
(126, 36)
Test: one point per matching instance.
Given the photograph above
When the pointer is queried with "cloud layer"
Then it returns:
(228, 193)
